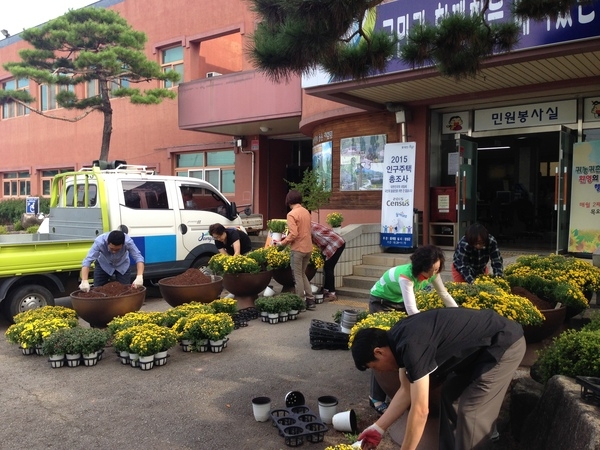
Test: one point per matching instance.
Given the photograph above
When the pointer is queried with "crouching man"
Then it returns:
(474, 353)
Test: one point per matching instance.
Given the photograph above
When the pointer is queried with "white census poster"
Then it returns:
(398, 195)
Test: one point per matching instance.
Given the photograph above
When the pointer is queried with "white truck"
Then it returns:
(167, 217)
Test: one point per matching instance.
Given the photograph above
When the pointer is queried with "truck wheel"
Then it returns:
(25, 298)
(201, 262)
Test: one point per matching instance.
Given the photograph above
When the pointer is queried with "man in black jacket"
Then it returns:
(473, 352)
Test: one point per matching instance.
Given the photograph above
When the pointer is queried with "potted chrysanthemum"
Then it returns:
(243, 276)
(557, 279)
(335, 219)
(149, 340)
(279, 257)
(216, 327)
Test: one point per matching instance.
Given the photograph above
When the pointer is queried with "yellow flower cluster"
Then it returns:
(240, 264)
(384, 320)
(45, 312)
(200, 326)
(279, 257)
(340, 447)
(485, 293)
(335, 219)
(32, 332)
(560, 268)
(149, 339)
(134, 318)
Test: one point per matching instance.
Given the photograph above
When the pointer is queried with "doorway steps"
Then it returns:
(373, 266)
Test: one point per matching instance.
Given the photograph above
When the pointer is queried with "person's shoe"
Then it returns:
(380, 408)
(330, 297)
(310, 304)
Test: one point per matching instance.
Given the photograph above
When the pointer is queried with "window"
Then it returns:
(172, 59)
(48, 94)
(93, 90)
(17, 184)
(46, 179)
(13, 109)
(92, 195)
(202, 199)
(145, 195)
(217, 168)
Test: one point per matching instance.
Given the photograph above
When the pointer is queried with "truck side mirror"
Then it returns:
(232, 211)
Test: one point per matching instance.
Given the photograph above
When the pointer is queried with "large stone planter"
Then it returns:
(554, 320)
(102, 309)
(176, 295)
(246, 286)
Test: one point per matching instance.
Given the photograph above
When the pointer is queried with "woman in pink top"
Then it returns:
(299, 238)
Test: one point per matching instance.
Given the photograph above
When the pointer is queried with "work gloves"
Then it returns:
(84, 286)
(138, 282)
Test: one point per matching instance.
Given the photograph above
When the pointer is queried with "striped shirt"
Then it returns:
(326, 239)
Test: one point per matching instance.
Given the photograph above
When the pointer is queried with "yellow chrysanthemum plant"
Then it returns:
(149, 339)
(32, 333)
(556, 278)
(278, 257)
(134, 318)
(384, 320)
(334, 219)
(33, 326)
(485, 293)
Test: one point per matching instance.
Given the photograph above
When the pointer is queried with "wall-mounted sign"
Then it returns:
(456, 122)
(531, 115)
(591, 109)
(361, 163)
(322, 163)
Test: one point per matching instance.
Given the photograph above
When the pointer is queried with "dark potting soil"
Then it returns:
(112, 289)
(538, 302)
(189, 277)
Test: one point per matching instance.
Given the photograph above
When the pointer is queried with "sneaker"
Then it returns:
(310, 304)
(330, 297)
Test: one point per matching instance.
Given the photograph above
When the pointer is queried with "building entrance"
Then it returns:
(517, 189)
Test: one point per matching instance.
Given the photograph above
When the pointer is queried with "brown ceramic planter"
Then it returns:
(285, 277)
(554, 320)
(101, 310)
(176, 295)
(246, 286)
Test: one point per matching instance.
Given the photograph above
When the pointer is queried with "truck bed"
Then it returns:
(34, 253)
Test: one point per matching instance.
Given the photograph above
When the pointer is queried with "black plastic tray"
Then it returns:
(297, 424)
(590, 388)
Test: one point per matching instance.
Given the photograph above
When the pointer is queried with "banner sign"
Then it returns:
(399, 17)
(584, 228)
(398, 195)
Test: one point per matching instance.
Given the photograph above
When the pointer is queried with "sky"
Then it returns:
(21, 14)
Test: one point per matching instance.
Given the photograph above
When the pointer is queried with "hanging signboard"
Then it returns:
(584, 228)
(398, 195)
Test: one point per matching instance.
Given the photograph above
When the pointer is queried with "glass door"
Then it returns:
(562, 188)
(466, 183)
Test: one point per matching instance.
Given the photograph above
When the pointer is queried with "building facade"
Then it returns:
(496, 148)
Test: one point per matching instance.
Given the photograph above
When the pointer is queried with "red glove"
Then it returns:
(371, 436)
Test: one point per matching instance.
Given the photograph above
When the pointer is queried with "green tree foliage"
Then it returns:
(295, 37)
(312, 189)
(88, 45)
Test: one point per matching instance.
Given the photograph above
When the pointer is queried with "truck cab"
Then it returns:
(167, 216)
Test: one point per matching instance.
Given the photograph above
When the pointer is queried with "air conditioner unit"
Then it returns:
(212, 74)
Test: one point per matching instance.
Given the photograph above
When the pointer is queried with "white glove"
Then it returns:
(138, 282)
(84, 286)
